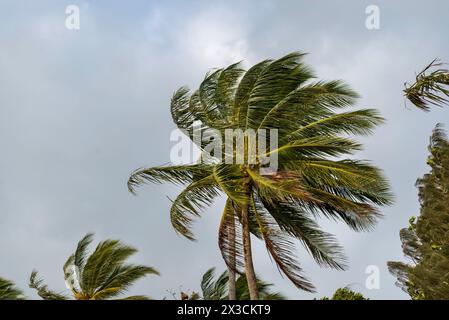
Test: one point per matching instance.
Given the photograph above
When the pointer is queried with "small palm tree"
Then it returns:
(217, 288)
(311, 179)
(100, 276)
(431, 87)
(9, 292)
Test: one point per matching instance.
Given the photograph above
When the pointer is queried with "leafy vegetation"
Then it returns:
(430, 87)
(217, 288)
(280, 207)
(426, 241)
(9, 292)
(101, 275)
(345, 294)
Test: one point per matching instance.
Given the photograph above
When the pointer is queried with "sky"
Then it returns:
(81, 109)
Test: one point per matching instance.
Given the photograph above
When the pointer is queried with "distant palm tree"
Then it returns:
(9, 292)
(217, 289)
(431, 87)
(280, 206)
(100, 276)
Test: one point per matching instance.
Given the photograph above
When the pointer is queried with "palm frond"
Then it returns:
(308, 104)
(214, 289)
(72, 276)
(108, 255)
(430, 87)
(365, 181)
(316, 147)
(334, 204)
(281, 248)
(230, 179)
(174, 174)
(81, 250)
(277, 80)
(230, 238)
(182, 115)
(75, 264)
(354, 180)
(135, 298)
(210, 103)
(9, 292)
(281, 186)
(120, 279)
(225, 90)
(322, 246)
(360, 122)
(191, 202)
(244, 91)
(42, 289)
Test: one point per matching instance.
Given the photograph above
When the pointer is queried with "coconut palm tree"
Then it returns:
(312, 177)
(102, 275)
(430, 87)
(9, 292)
(217, 288)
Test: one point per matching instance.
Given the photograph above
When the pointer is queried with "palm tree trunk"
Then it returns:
(249, 267)
(231, 285)
(231, 271)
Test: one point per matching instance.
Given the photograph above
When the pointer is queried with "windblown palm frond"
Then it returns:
(431, 87)
(214, 289)
(313, 176)
(9, 292)
(98, 276)
(42, 289)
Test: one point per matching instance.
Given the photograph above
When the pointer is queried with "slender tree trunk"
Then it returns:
(249, 267)
(231, 271)
(231, 284)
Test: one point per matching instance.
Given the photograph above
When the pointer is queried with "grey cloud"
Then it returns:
(80, 110)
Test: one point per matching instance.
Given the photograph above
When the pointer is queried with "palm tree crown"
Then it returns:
(312, 177)
(9, 292)
(430, 87)
(99, 276)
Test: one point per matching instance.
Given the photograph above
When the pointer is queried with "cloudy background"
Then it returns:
(80, 110)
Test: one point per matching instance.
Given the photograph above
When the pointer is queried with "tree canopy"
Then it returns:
(345, 294)
(101, 275)
(425, 242)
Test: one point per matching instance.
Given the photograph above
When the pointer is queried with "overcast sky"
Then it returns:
(81, 109)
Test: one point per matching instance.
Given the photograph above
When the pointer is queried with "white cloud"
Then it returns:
(215, 37)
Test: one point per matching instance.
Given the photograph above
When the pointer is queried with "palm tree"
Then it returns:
(9, 292)
(102, 275)
(312, 179)
(430, 87)
(217, 288)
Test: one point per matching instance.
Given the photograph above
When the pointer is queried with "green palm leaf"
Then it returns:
(430, 87)
(281, 248)
(104, 274)
(190, 202)
(9, 292)
(42, 289)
